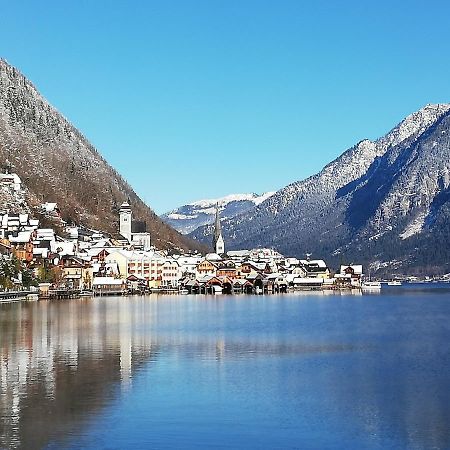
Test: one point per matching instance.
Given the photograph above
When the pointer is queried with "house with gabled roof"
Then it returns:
(206, 267)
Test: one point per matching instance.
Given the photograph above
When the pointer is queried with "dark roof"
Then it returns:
(138, 226)
(314, 268)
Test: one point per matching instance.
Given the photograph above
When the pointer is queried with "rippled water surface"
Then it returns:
(293, 371)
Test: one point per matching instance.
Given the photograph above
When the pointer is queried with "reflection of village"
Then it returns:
(43, 365)
(81, 259)
(64, 357)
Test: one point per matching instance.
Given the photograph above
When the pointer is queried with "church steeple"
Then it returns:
(218, 228)
(125, 221)
(218, 242)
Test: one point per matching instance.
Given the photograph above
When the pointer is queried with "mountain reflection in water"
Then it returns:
(362, 370)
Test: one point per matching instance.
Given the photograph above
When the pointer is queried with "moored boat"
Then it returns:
(86, 293)
(371, 286)
(394, 283)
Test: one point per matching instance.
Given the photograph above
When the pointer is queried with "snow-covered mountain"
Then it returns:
(387, 201)
(188, 218)
(56, 163)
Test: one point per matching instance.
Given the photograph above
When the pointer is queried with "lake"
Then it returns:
(307, 370)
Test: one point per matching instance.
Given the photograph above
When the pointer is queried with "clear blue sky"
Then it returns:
(197, 99)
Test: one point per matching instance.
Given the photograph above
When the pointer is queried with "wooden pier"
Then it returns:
(61, 294)
(15, 296)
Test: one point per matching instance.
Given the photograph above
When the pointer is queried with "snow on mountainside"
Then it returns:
(378, 192)
(188, 218)
(57, 164)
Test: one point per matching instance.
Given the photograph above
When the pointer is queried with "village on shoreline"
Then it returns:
(81, 261)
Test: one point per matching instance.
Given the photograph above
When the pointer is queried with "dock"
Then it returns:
(15, 296)
(61, 294)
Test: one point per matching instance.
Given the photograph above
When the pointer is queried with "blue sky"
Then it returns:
(198, 99)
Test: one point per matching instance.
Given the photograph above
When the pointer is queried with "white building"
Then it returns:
(188, 264)
(11, 180)
(138, 238)
(170, 273)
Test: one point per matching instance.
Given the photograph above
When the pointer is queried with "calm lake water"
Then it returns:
(301, 371)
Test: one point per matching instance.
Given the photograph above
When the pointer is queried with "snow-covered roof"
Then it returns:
(10, 177)
(314, 262)
(63, 248)
(37, 251)
(308, 280)
(73, 232)
(205, 278)
(102, 242)
(45, 234)
(189, 260)
(257, 265)
(49, 207)
(240, 281)
(273, 276)
(213, 257)
(291, 262)
(238, 253)
(22, 237)
(357, 269)
(23, 219)
(171, 261)
(107, 280)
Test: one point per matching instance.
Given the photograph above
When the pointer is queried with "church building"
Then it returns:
(135, 232)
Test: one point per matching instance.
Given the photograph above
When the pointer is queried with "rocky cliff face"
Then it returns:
(373, 203)
(56, 163)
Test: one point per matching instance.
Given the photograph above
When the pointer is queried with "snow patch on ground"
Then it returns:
(414, 227)
(262, 198)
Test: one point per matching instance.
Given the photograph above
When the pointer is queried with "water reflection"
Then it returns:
(54, 357)
(373, 370)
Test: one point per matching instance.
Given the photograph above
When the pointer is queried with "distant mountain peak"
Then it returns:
(188, 218)
(222, 201)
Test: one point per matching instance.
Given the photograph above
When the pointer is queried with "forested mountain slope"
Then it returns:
(57, 164)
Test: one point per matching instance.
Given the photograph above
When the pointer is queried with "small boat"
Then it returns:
(394, 283)
(86, 293)
(371, 286)
(183, 292)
